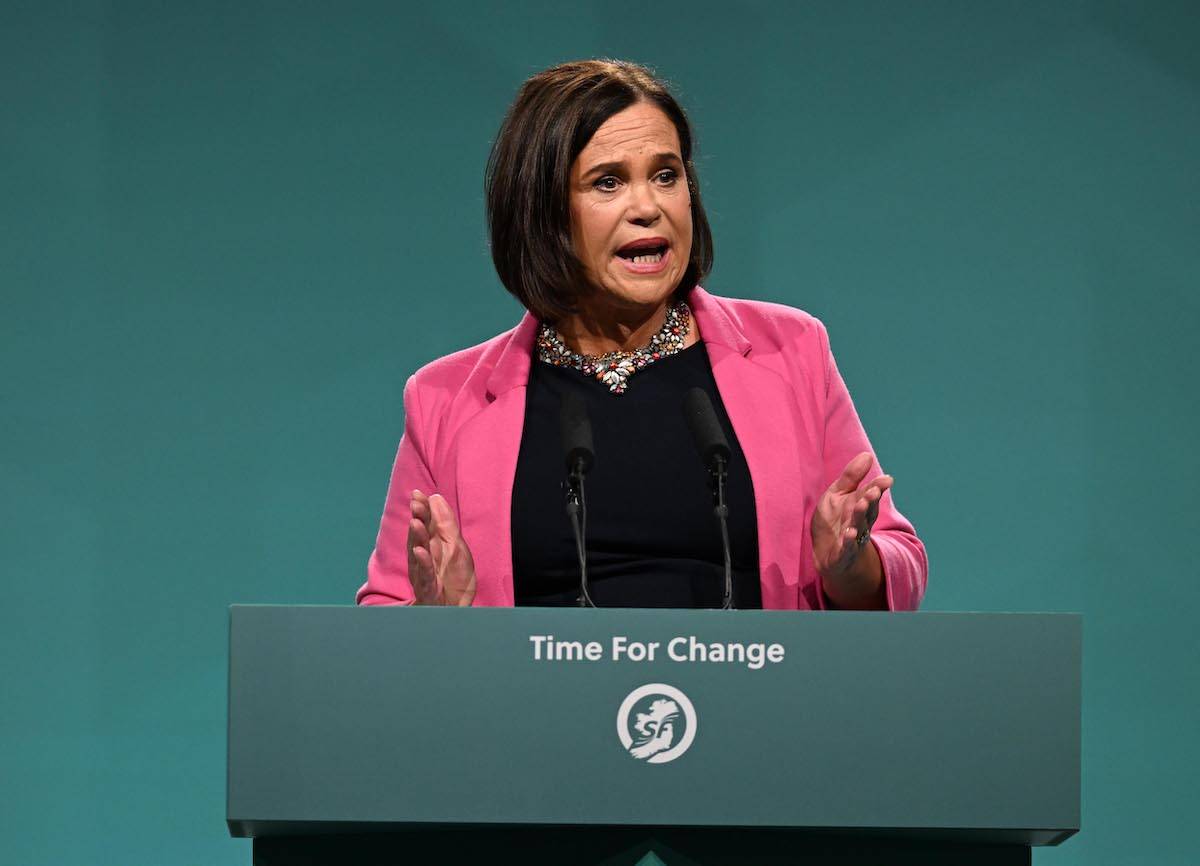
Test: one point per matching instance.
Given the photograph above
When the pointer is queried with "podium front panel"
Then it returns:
(395, 716)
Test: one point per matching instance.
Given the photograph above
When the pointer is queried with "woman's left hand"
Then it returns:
(843, 516)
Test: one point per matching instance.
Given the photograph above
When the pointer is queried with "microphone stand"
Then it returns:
(719, 474)
(577, 512)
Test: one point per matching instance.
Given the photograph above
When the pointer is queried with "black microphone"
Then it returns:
(706, 429)
(713, 448)
(576, 434)
(580, 455)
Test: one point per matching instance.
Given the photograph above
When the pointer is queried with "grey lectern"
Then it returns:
(537, 735)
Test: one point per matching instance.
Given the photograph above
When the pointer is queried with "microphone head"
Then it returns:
(576, 434)
(706, 428)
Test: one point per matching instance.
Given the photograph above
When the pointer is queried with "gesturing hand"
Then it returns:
(440, 566)
(842, 518)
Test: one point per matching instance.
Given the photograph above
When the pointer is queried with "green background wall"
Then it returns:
(230, 230)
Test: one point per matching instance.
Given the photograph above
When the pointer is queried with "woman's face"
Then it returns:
(629, 195)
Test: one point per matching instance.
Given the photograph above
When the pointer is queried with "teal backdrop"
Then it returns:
(230, 231)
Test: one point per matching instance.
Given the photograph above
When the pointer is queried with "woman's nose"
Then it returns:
(643, 205)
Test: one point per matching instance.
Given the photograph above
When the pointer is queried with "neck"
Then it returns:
(597, 332)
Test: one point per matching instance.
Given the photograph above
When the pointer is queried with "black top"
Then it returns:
(652, 537)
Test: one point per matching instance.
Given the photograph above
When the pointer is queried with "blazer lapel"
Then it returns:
(762, 409)
(486, 463)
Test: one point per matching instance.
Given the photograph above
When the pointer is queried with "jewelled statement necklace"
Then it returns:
(615, 368)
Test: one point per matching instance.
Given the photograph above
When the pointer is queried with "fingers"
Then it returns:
(874, 491)
(419, 503)
(455, 565)
(421, 571)
(865, 508)
(433, 528)
(856, 470)
(418, 533)
(871, 514)
(424, 561)
(883, 482)
(443, 525)
(845, 514)
(420, 527)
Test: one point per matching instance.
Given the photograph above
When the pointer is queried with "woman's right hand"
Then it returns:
(440, 566)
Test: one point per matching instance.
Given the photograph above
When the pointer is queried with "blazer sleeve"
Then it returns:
(902, 554)
(387, 569)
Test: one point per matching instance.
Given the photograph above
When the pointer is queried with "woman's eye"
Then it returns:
(668, 176)
(608, 183)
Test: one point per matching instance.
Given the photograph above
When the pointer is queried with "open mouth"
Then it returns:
(645, 255)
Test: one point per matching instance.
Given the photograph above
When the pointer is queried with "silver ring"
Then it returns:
(862, 538)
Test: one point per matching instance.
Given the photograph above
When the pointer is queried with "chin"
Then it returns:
(648, 294)
(643, 294)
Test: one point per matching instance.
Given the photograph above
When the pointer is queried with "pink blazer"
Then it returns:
(786, 400)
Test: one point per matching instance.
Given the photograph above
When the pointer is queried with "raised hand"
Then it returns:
(841, 526)
(440, 566)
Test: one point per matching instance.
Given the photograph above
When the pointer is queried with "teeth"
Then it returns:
(647, 260)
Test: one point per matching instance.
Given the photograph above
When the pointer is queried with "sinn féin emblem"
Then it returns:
(656, 723)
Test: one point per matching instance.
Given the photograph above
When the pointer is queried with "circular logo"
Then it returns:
(656, 723)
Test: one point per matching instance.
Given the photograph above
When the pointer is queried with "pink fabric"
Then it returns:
(788, 404)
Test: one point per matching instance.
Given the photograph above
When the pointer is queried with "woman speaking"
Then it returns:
(597, 227)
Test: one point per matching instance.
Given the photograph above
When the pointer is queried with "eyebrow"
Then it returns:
(665, 156)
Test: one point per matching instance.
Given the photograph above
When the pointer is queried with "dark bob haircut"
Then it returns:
(555, 114)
